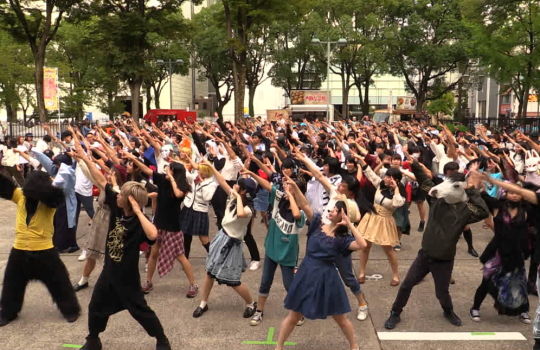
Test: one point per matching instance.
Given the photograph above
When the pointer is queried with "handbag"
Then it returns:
(491, 266)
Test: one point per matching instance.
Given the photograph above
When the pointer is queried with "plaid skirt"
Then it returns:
(225, 262)
(194, 223)
(171, 247)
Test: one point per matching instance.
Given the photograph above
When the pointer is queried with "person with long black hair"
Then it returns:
(225, 262)
(504, 259)
(33, 256)
(378, 225)
(172, 188)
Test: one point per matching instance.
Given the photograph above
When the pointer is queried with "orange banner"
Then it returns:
(50, 88)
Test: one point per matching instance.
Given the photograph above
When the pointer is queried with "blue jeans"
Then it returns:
(345, 269)
(269, 270)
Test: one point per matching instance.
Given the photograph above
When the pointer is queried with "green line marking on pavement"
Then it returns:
(269, 339)
(74, 346)
(482, 333)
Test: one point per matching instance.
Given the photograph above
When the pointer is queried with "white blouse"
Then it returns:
(391, 204)
(201, 194)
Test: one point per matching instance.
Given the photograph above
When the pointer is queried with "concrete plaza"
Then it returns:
(40, 326)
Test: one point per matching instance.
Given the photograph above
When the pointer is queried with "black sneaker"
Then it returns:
(199, 311)
(472, 252)
(72, 318)
(452, 318)
(392, 321)
(92, 343)
(163, 344)
(5, 321)
(250, 310)
(421, 226)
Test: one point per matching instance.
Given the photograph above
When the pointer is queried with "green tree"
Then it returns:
(506, 35)
(208, 43)
(241, 18)
(426, 40)
(75, 56)
(369, 34)
(128, 26)
(443, 105)
(167, 46)
(292, 53)
(36, 23)
(258, 53)
(16, 73)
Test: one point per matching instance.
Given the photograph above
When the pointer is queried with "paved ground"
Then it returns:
(40, 325)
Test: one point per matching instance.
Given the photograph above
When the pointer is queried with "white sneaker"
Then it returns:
(301, 322)
(475, 315)
(524, 318)
(362, 313)
(83, 255)
(254, 265)
(256, 319)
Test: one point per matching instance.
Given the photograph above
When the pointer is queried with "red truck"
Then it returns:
(155, 115)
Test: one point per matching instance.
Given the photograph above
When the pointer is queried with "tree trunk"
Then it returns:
(39, 61)
(345, 103)
(110, 102)
(251, 96)
(365, 105)
(148, 97)
(135, 90)
(11, 111)
(239, 90)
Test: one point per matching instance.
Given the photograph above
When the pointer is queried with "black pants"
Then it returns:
(422, 265)
(41, 265)
(481, 293)
(251, 243)
(87, 202)
(346, 271)
(111, 297)
(219, 201)
(64, 237)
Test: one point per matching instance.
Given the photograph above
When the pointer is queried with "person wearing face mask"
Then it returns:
(504, 260)
(378, 226)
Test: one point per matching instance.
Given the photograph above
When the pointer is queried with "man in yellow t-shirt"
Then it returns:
(33, 256)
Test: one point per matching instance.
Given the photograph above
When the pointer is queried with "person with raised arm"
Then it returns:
(119, 285)
(225, 262)
(317, 290)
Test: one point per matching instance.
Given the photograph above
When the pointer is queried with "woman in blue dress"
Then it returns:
(317, 290)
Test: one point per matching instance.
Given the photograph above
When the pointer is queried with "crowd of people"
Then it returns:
(349, 184)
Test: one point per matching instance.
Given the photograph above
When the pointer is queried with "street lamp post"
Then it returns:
(170, 64)
(341, 43)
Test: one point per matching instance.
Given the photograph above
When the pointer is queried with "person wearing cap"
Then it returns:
(225, 262)
(317, 291)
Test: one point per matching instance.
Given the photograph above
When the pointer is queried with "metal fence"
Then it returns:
(525, 125)
(37, 130)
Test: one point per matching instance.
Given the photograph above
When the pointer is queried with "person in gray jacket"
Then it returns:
(454, 204)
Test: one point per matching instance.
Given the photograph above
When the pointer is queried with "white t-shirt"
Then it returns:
(83, 185)
(22, 148)
(234, 226)
(41, 146)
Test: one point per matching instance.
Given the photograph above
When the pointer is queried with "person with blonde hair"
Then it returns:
(194, 215)
(118, 287)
